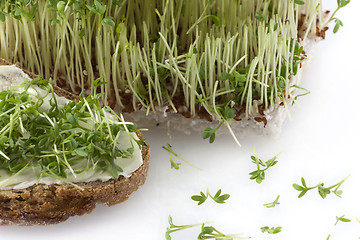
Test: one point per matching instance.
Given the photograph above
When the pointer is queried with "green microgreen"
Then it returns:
(207, 232)
(218, 198)
(259, 16)
(210, 133)
(154, 51)
(299, 2)
(229, 113)
(174, 164)
(338, 23)
(259, 174)
(174, 228)
(322, 190)
(341, 219)
(328, 237)
(272, 230)
(274, 203)
(300, 95)
(59, 140)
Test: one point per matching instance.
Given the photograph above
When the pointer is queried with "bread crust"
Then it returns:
(43, 204)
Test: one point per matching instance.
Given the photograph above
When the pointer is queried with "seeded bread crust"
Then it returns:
(50, 204)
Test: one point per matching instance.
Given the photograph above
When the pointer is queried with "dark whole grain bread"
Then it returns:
(49, 204)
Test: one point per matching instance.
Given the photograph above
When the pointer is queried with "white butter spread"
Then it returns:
(13, 76)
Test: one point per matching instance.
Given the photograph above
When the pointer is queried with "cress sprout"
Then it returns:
(194, 57)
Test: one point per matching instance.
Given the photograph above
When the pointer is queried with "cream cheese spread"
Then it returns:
(11, 76)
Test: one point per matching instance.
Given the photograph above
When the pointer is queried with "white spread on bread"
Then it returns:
(13, 76)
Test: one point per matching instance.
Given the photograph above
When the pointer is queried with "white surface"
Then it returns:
(321, 142)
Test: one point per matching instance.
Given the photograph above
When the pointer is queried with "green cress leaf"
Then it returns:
(206, 133)
(299, 2)
(302, 193)
(217, 194)
(71, 119)
(212, 137)
(303, 182)
(260, 16)
(132, 127)
(323, 191)
(108, 21)
(82, 32)
(226, 76)
(96, 83)
(221, 199)
(298, 187)
(80, 151)
(3, 16)
(256, 160)
(167, 234)
(209, 133)
(60, 6)
(229, 113)
(174, 165)
(207, 229)
(199, 198)
(240, 79)
(272, 230)
(117, 3)
(342, 3)
(341, 219)
(215, 19)
(338, 24)
(66, 126)
(338, 193)
(205, 232)
(99, 7)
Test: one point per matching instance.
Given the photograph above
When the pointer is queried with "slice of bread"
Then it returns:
(49, 204)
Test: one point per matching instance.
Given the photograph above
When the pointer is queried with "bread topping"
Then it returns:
(33, 173)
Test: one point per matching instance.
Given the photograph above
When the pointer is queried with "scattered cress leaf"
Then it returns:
(341, 219)
(218, 198)
(322, 190)
(274, 203)
(207, 232)
(259, 174)
(338, 22)
(175, 165)
(271, 230)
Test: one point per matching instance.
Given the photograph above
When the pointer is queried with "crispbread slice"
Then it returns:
(49, 204)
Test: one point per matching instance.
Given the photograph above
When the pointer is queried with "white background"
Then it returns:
(320, 143)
